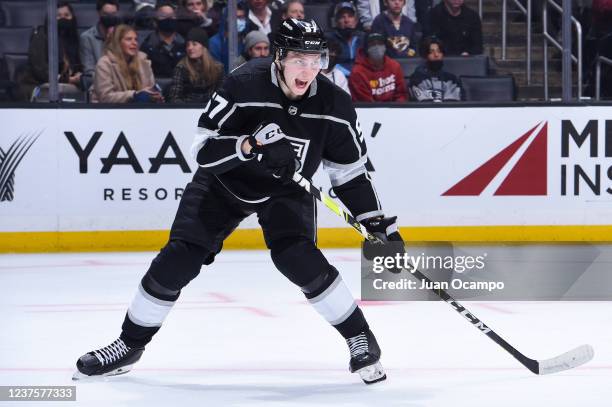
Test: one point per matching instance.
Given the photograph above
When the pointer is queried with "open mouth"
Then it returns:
(300, 84)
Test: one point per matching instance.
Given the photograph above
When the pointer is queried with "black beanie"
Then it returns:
(198, 35)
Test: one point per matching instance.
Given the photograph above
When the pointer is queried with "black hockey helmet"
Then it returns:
(301, 36)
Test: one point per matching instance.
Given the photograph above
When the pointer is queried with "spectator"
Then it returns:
(370, 9)
(144, 14)
(399, 30)
(37, 70)
(423, 13)
(164, 47)
(292, 9)
(256, 45)
(282, 10)
(601, 24)
(347, 34)
(218, 45)
(332, 72)
(597, 42)
(458, 27)
(194, 13)
(375, 76)
(430, 83)
(91, 45)
(123, 74)
(197, 75)
(260, 15)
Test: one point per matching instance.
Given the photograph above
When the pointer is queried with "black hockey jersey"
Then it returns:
(322, 127)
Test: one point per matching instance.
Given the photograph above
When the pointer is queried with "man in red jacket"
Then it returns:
(376, 77)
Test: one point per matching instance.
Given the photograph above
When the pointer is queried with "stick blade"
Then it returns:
(569, 360)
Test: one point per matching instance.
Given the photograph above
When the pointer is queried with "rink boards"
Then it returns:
(111, 179)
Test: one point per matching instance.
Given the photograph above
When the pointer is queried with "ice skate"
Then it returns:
(365, 357)
(114, 359)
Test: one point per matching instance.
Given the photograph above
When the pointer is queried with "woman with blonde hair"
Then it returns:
(123, 73)
(197, 75)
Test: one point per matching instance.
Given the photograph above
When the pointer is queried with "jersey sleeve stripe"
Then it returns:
(246, 104)
(337, 120)
(345, 167)
(341, 174)
(221, 161)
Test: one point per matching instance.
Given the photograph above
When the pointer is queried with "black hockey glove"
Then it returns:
(383, 228)
(386, 230)
(278, 157)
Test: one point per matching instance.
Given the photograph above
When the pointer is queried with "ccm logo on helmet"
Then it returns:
(312, 42)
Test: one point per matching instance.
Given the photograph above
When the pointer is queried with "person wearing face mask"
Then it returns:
(36, 72)
(376, 77)
(91, 46)
(164, 47)
(332, 72)
(347, 34)
(218, 44)
(429, 82)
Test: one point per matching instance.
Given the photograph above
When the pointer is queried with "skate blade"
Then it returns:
(119, 371)
(372, 374)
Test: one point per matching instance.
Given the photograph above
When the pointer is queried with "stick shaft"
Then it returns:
(530, 364)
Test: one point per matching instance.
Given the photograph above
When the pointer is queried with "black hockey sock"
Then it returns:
(135, 335)
(353, 325)
(176, 264)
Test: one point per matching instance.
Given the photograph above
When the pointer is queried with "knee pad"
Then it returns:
(298, 259)
(321, 282)
(175, 266)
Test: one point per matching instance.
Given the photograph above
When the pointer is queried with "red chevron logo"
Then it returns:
(527, 177)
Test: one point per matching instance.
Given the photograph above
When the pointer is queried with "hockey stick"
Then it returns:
(565, 361)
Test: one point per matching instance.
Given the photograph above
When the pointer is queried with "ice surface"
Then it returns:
(242, 335)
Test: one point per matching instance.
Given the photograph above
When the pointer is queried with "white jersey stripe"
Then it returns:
(337, 120)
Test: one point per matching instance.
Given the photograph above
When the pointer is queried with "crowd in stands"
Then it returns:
(164, 51)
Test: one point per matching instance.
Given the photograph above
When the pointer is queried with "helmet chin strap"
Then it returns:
(282, 83)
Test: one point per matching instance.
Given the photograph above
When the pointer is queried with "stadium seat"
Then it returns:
(14, 40)
(474, 65)
(409, 65)
(67, 94)
(320, 13)
(164, 84)
(13, 63)
(23, 13)
(488, 88)
(86, 14)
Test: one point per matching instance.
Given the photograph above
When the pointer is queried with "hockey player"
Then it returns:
(272, 117)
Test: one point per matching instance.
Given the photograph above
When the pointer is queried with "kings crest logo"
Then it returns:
(300, 146)
(9, 161)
